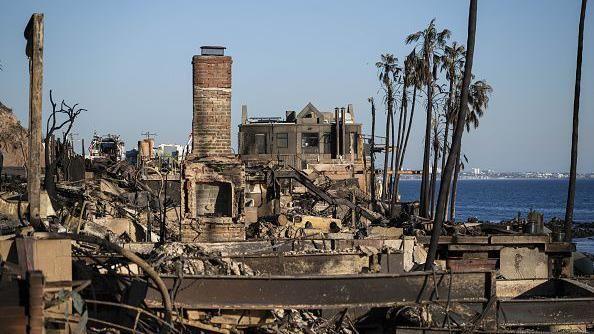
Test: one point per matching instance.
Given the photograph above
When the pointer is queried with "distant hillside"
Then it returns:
(13, 138)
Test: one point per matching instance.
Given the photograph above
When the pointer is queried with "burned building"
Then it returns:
(301, 139)
(213, 178)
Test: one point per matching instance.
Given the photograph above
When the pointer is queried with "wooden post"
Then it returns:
(34, 50)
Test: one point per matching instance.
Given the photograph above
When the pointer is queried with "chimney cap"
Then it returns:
(209, 50)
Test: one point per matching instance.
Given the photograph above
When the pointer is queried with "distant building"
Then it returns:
(307, 137)
(107, 147)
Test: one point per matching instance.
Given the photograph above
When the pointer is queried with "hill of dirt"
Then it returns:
(13, 138)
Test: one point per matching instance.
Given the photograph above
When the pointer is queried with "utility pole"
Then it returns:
(148, 134)
(34, 51)
(72, 139)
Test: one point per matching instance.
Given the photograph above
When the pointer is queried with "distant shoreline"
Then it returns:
(506, 178)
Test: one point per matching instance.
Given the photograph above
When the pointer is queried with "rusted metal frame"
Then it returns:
(56, 301)
(447, 318)
(323, 292)
(106, 266)
(111, 324)
(547, 311)
(131, 256)
(475, 321)
(136, 318)
(138, 311)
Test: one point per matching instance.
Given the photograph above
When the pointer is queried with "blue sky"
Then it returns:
(129, 64)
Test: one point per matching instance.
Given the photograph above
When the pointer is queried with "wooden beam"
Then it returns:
(34, 50)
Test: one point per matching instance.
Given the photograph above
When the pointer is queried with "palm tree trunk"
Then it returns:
(449, 115)
(393, 151)
(401, 134)
(427, 152)
(454, 192)
(574, 133)
(444, 151)
(445, 145)
(386, 154)
(412, 114)
(434, 170)
(456, 138)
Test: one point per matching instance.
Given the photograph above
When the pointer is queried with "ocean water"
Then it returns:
(499, 199)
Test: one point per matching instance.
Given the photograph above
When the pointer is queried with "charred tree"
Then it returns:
(61, 118)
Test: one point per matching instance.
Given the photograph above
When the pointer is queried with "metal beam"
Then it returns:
(322, 292)
(547, 311)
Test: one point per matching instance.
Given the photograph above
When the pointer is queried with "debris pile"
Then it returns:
(300, 321)
(192, 259)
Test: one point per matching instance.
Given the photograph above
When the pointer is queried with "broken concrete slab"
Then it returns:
(523, 263)
(380, 232)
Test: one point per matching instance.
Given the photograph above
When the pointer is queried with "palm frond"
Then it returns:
(414, 37)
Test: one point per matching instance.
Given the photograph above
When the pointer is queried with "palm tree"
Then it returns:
(413, 77)
(432, 41)
(478, 101)
(388, 70)
(456, 139)
(575, 127)
(452, 62)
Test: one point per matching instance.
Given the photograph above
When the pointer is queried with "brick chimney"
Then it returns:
(211, 124)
